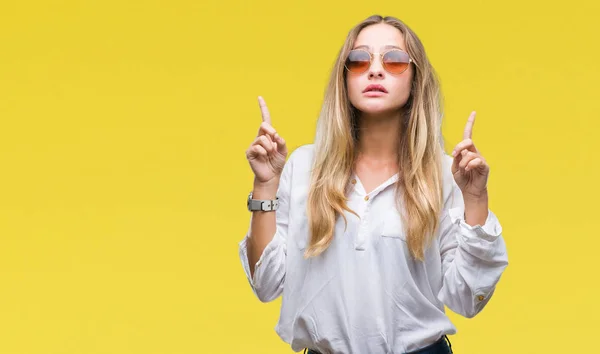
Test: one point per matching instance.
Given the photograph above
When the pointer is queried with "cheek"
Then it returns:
(353, 85)
(402, 88)
(354, 89)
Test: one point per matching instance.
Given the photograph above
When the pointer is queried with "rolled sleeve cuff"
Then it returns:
(490, 230)
(267, 254)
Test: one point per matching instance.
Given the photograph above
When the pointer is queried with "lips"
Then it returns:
(375, 88)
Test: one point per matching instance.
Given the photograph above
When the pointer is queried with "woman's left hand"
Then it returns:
(470, 170)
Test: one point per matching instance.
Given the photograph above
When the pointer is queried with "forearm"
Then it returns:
(263, 225)
(473, 254)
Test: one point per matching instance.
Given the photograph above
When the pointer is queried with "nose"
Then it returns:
(376, 69)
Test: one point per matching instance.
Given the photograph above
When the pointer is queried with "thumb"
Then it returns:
(281, 144)
(456, 162)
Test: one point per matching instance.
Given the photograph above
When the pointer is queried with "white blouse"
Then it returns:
(365, 294)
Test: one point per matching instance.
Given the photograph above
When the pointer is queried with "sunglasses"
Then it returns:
(394, 61)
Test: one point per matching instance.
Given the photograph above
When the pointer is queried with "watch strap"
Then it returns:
(262, 205)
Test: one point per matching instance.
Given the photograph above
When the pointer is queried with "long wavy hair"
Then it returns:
(419, 187)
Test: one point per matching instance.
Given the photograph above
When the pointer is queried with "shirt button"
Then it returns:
(366, 198)
(480, 297)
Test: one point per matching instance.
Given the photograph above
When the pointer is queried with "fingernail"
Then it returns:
(453, 152)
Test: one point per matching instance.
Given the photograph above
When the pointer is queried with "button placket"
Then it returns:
(363, 231)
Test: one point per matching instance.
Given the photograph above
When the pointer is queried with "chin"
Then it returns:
(374, 108)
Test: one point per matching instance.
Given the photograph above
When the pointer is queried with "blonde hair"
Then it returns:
(419, 187)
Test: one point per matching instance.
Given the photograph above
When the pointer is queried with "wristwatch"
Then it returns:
(262, 205)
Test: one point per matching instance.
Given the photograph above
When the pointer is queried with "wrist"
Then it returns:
(476, 199)
(265, 190)
(476, 209)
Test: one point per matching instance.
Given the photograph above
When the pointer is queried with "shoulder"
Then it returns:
(447, 163)
(298, 165)
(301, 158)
(448, 182)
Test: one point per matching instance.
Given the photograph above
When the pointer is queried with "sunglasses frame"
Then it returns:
(372, 56)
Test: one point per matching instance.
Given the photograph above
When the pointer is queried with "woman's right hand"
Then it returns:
(268, 152)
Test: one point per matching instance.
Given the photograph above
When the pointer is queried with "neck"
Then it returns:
(379, 136)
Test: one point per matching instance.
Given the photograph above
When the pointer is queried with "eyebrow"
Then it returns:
(389, 46)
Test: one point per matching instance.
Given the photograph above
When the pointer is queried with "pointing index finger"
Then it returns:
(469, 127)
(266, 116)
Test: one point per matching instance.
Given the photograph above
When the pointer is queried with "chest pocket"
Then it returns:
(393, 228)
(299, 230)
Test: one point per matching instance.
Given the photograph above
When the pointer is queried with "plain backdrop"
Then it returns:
(123, 178)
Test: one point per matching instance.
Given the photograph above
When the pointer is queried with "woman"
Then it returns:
(369, 232)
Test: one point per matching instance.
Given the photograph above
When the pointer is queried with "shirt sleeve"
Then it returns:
(473, 257)
(269, 270)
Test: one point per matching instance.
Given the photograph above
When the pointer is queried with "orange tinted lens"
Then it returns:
(358, 61)
(395, 61)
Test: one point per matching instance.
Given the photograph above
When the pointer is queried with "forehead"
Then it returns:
(378, 36)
